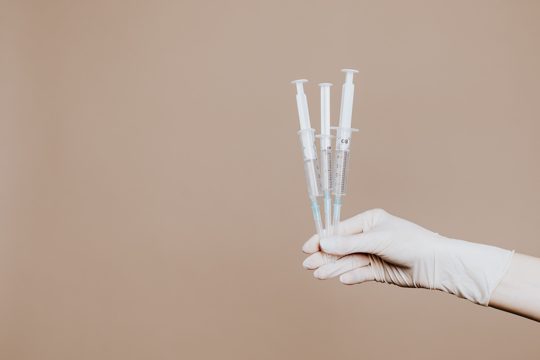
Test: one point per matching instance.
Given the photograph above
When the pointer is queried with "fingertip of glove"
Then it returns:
(307, 264)
(312, 245)
(345, 279)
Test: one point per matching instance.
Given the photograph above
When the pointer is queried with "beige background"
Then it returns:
(153, 202)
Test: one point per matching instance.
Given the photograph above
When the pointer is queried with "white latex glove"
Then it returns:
(375, 245)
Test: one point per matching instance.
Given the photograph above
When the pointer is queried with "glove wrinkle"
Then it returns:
(405, 254)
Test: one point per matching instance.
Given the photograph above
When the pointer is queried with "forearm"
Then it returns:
(519, 290)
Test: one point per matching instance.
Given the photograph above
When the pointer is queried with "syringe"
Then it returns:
(311, 165)
(326, 156)
(343, 143)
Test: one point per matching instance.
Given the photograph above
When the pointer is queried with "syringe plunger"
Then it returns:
(347, 96)
(301, 104)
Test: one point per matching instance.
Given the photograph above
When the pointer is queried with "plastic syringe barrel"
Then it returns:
(326, 168)
(311, 165)
(326, 155)
(343, 142)
(313, 175)
(307, 141)
(325, 138)
(341, 170)
(326, 184)
(343, 134)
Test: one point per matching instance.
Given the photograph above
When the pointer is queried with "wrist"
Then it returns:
(472, 271)
(519, 289)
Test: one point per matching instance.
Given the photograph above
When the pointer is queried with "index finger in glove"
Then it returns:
(361, 222)
(312, 245)
(354, 225)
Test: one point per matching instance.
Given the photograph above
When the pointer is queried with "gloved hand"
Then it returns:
(375, 245)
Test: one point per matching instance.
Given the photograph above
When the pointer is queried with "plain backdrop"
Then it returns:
(152, 198)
